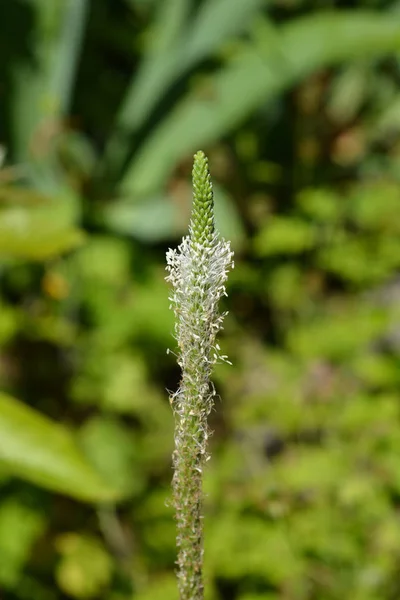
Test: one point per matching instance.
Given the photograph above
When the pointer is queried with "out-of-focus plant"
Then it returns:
(103, 105)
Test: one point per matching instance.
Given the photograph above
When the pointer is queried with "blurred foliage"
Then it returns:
(103, 103)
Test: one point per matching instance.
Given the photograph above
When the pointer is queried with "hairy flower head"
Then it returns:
(198, 270)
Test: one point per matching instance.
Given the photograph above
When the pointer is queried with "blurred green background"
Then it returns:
(297, 104)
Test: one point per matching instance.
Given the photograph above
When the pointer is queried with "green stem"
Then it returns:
(198, 270)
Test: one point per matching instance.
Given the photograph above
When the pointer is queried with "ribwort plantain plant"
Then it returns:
(198, 270)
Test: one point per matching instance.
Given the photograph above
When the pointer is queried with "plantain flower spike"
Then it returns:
(198, 270)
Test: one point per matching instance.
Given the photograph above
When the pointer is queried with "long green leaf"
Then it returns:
(175, 50)
(39, 231)
(159, 66)
(217, 22)
(45, 453)
(157, 69)
(64, 66)
(260, 73)
(158, 218)
(43, 87)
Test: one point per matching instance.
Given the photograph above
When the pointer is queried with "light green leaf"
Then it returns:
(38, 232)
(257, 75)
(48, 79)
(175, 47)
(227, 217)
(85, 567)
(217, 21)
(43, 452)
(20, 526)
(153, 219)
(332, 335)
(159, 588)
(238, 547)
(113, 450)
(161, 218)
(160, 65)
(285, 235)
(322, 205)
(349, 91)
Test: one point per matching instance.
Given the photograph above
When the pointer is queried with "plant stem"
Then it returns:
(197, 271)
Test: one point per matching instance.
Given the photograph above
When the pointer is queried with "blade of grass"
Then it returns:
(156, 71)
(258, 74)
(172, 52)
(216, 23)
(43, 88)
(62, 75)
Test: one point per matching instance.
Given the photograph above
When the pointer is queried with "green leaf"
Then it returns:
(378, 370)
(227, 217)
(175, 47)
(348, 93)
(268, 66)
(285, 235)
(85, 567)
(45, 453)
(376, 207)
(238, 547)
(161, 217)
(20, 526)
(112, 448)
(159, 588)
(160, 65)
(151, 220)
(264, 596)
(332, 335)
(48, 79)
(315, 469)
(322, 205)
(217, 22)
(38, 232)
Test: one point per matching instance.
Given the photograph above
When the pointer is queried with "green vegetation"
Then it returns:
(296, 104)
